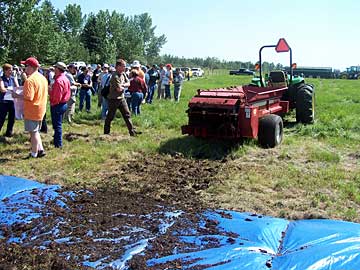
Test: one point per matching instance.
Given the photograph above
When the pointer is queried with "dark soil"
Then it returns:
(98, 221)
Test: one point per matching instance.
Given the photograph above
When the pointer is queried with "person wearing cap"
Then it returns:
(95, 78)
(105, 81)
(59, 96)
(138, 90)
(116, 100)
(154, 76)
(23, 76)
(105, 71)
(35, 94)
(137, 66)
(71, 75)
(51, 75)
(7, 107)
(15, 73)
(178, 80)
(161, 86)
(85, 91)
(167, 80)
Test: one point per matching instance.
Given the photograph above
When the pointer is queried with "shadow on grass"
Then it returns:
(197, 148)
(17, 138)
(289, 123)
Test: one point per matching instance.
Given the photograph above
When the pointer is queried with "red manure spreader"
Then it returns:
(254, 110)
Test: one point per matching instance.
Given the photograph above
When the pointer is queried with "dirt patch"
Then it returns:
(355, 156)
(71, 136)
(173, 180)
(96, 223)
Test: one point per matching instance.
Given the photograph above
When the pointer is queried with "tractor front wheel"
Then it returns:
(305, 105)
(271, 130)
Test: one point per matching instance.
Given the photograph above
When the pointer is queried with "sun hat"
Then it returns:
(31, 61)
(60, 65)
(105, 66)
(136, 63)
(169, 65)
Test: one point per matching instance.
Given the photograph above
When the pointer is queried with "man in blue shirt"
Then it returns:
(85, 90)
(154, 76)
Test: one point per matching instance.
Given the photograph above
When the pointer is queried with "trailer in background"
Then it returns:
(313, 72)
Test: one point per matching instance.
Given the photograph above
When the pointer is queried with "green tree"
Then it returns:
(29, 28)
(12, 13)
(151, 43)
(39, 36)
(152, 50)
(130, 45)
(71, 21)
(90, 36)
(107, 53)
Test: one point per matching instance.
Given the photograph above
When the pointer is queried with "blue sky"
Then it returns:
(320, 32)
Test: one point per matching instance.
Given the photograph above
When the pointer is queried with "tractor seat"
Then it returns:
(277, 79)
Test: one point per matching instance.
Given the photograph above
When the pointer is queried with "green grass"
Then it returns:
(315, 172)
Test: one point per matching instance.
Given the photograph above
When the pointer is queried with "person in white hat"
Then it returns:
(71, 75)
(137, 66)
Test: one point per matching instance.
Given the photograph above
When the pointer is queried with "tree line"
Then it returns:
(36, 28)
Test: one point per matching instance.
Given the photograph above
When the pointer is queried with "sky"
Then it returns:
(321, 33)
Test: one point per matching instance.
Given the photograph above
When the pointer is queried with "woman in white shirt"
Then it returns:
(7, 85)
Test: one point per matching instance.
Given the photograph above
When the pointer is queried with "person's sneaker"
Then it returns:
(9, 134)
(134, 133)
(30, 156)
(41, 153)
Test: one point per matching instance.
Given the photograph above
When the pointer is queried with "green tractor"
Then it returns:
(301, 96)
(351, 73)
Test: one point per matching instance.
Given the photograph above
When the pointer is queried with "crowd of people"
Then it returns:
(120, 86)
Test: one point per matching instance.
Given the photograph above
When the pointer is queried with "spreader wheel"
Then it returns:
(305, 105)
(270, 131)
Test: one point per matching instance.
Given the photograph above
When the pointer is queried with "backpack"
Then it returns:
(106, 89)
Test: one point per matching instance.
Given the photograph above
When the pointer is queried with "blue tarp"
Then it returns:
(270, 243)
(240, 241)
(10, 185)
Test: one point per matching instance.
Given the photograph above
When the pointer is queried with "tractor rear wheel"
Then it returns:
(271, 130)
(305, 105)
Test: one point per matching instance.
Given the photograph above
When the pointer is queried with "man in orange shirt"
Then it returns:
(35, 98)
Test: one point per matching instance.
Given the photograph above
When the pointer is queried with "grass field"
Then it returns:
(315, 172)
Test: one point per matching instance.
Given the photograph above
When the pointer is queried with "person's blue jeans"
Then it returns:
(57, 113)
(167, 91)
(104, 108)
(85, 94)
(136, 99)
(151, 91)
(177, 92)
(7, 108)
(95, 87)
